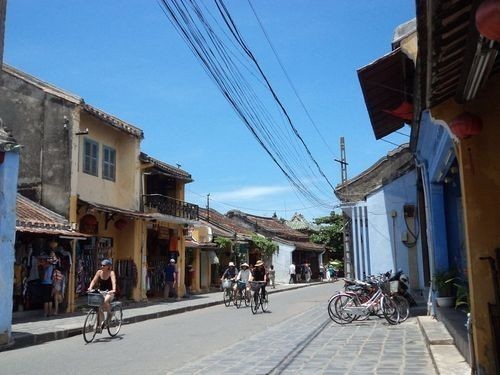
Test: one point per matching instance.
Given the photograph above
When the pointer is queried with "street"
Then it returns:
(295, 336)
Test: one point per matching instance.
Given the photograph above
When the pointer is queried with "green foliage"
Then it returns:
(223, 243)
(267, 247)
(444, 281)
(330, 235)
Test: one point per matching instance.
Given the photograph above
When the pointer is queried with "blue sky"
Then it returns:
(126, 58)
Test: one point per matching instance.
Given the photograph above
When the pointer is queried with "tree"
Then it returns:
(330, 235)
(267, 247)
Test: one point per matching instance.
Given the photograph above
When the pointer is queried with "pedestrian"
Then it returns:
(272, 276)
(307, 272)
(189, 281)
(46, 284)
(321, 271)
(170, 279)
(58, 288)
(293, 276)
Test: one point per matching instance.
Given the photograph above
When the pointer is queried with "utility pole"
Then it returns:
(346, 228)
(208, 207)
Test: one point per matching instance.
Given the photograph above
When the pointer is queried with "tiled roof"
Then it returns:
(113, 121)
(34, 218)
(275, 227)
(166, 168)
(298, 222)
(225, 223)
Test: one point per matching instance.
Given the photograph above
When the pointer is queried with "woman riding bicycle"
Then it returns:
(105, 279)
(242, 278)
(259, 274)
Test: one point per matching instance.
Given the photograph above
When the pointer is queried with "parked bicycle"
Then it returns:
(93, 325)
(258, 300)
(347, 306)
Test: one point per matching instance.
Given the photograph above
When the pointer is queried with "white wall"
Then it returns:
(381, 239)
(281, 262)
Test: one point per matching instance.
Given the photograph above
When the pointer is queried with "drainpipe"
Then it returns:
(431, 309)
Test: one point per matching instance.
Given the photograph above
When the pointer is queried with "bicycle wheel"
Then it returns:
(115, 320)
(247, 298)
(390, 310)
(238, 300)
(90, 326)
(403, 307)
(227, 297)
(338, 308)
(264, 302)
(254, 303)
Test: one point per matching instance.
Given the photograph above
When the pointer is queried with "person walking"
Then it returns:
(293, 276)
(307, 272)
(272, 276)
(170, 279)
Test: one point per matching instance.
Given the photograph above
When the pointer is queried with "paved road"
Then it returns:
(296, 336)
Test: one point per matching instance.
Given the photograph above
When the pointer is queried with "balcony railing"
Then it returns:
(170, 206)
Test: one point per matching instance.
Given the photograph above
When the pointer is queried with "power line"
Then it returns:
(282, 143)
(288, 78)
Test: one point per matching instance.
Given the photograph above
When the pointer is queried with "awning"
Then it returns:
(116, 210)
(387, 86)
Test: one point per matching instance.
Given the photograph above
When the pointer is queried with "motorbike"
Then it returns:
(404, 286)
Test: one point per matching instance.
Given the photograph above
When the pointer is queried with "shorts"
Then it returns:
(104, 294)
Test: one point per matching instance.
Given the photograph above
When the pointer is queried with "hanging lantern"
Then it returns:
(120, 224)
(89, 224)
(466, 125)
(488, 19)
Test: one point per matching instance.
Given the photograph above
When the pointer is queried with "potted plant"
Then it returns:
(445, 287)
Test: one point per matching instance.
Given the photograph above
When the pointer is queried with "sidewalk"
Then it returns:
(40, 330)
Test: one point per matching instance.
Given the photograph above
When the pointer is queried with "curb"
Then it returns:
(446, 358)
(24, 339)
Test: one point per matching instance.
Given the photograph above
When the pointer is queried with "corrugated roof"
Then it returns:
(34, 218)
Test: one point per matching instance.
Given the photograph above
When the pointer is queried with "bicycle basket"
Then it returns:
(386, 287)
(394, 286)
(95, 299)
(255, 285)
(226, 284)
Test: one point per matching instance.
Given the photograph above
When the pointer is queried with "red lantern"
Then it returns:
(466, 125)
(488, 19)
(89, 224)
(120, 224)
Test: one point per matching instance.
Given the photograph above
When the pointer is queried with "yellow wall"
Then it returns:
(479, 161)
(122, 193)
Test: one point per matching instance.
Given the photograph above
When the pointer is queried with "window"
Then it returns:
(90, 156)
(109, 163)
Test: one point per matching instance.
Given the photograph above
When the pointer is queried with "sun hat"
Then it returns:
(244, 264)
(106, 262)
(172, 260)
(231, 264)
(259, 263)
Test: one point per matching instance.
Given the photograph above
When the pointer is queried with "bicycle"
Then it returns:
(227, 292)
(242, 295)
(113, 322)
(345, 307)
(257, 299)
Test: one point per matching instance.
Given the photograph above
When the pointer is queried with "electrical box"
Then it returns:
(394, 213)
(409, 210)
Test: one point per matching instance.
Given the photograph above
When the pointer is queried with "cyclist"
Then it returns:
(230, 274)
(259, 274)
(243, 276)
(105, 278)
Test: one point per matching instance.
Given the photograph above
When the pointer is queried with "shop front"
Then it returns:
(44, 272)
